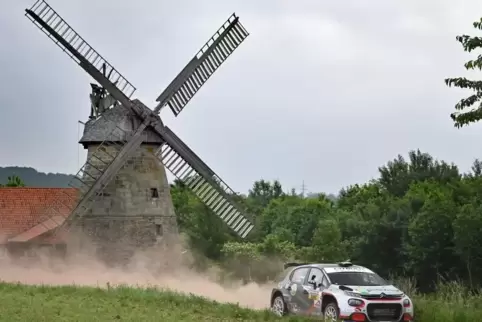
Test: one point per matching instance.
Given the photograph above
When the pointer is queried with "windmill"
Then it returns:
(114, 92)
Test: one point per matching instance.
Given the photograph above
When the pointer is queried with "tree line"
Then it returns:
(34, 178)
(421, 218)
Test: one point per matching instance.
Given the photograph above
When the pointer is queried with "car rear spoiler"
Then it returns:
(287, 265)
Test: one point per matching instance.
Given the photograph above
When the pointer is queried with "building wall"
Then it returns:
(32, 251)
(134, 211)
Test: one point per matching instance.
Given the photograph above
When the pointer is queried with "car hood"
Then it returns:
(376, 290)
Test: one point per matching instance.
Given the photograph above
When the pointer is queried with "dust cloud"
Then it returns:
(172, 270)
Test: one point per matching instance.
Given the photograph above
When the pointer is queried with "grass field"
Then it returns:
(69, 303)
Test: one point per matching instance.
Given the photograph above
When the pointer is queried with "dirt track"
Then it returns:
(83, 270)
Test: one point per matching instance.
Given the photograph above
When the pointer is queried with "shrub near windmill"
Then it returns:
(124, 195)
(13, 181)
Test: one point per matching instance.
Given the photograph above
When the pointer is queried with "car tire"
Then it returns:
(278, 306)
(331, 312)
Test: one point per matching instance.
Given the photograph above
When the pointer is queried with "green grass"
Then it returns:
(432, 309)
(69, 303)
(452, 302)
(72, 303)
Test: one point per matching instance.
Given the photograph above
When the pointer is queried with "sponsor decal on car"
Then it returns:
(347, 269)
(293, 290)
(317, 303)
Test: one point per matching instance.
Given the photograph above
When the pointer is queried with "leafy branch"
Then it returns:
(462, 116)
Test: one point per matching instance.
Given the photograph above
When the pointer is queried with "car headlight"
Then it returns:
(355, 302)
(352, 294)
(406, 302)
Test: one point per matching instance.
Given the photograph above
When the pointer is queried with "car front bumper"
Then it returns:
(372, 311)
(350, 319)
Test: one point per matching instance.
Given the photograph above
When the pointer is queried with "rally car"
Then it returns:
(341, 291)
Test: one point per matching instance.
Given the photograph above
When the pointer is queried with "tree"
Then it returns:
(295, 214)
(476, 169)
(261, 194)
(468, 240)
(399, 174)
(327, 244)
(430, 244)
(260, 262)
(461, 117)
(206, 232)
(14, 181)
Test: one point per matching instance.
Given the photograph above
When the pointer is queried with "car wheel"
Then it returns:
(279, 306)
(330, 313)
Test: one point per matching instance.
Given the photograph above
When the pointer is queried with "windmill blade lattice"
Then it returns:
(210, 188)
(62, 34)
(216, 50)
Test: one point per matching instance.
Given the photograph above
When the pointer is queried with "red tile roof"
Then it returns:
(25, 213)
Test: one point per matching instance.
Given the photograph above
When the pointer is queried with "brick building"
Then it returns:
(24, 223)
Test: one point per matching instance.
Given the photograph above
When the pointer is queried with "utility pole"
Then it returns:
(303, 189)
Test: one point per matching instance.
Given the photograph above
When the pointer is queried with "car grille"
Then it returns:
(377, 296)
(384, 311)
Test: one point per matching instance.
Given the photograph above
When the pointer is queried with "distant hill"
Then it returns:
(33, 178)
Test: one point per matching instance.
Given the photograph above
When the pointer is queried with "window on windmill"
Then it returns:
(158, 229)
(154, 193)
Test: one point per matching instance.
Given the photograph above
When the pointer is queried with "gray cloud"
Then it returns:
(321, 91)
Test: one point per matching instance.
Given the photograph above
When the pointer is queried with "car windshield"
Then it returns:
(356, 279)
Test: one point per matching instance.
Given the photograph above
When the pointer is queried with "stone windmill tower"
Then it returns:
(135, 208)
(123, 191)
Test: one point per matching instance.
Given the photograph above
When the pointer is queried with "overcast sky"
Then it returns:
(321, 91)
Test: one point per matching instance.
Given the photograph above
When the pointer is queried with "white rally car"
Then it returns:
(340, 291)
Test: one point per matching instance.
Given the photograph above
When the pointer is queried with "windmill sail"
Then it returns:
(210, 188)
(62, 34)
(218, 48)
